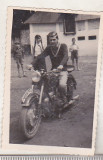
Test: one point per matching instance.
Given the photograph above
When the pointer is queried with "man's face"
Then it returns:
(53, 41)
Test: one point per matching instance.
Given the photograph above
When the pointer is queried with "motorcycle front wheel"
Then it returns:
(30, 119)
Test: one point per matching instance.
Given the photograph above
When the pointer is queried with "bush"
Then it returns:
(27, 49)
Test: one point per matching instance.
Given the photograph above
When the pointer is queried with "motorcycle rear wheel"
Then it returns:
(30, 119)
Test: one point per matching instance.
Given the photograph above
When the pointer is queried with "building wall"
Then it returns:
(86, 47)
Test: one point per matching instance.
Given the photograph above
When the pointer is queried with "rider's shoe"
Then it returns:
(76, 97)
(71, 101)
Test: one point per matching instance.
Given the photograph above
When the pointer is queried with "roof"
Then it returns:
(52, 17)
(82, 17)
(44, 17)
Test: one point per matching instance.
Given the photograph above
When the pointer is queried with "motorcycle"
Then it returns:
(43, 99)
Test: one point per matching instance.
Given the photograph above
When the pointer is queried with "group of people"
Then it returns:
(55, 48)
(58, 54)
(39, 49)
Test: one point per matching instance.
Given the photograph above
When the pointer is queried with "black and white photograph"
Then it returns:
(51, 98)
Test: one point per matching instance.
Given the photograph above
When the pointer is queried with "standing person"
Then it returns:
(59, 56)
(18, 55)
(74, 53)
(37, 50)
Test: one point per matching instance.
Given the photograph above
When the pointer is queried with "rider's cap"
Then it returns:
(53, 34)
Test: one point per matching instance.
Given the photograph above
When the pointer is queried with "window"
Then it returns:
(93, 24)
(91, 37)
(81, 25)
(81, 38)
(69, 24)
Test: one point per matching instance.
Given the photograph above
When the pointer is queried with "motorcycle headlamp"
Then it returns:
(36, 76)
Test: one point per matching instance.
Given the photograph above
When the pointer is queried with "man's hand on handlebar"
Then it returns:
(60, 67)
(54, 70)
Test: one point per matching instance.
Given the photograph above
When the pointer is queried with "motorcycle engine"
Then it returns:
(51, 108)
(52, 104)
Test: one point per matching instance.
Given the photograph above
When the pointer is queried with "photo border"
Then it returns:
(36, 149)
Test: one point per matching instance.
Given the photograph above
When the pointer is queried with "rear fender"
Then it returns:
(71, 79)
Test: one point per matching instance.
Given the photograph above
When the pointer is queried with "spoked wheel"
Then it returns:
(30, 118)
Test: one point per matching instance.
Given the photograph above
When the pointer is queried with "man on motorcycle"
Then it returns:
(59, 56)
(51, 92)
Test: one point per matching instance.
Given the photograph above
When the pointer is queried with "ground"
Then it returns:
(74, 129)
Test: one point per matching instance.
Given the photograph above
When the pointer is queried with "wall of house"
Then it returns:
(83, 29)
(86, 47)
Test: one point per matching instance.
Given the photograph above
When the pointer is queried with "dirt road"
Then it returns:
(74, 129)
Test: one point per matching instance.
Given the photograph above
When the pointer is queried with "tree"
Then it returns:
(19, 16)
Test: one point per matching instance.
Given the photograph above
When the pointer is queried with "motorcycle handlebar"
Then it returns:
(44, 73)
(70, 68)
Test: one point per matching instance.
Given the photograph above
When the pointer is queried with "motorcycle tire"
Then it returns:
(30, 119)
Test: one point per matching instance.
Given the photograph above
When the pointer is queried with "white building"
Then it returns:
(85, 28)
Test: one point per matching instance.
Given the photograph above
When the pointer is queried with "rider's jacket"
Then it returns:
(57, 56)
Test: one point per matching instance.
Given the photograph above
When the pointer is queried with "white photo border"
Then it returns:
(34, 149)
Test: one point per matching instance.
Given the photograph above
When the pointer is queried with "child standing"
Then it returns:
(38, 46)
(18, 55)
(74, 53)
(37, 50)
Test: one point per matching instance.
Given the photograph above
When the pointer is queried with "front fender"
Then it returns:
(27, 97)
(27, 101)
